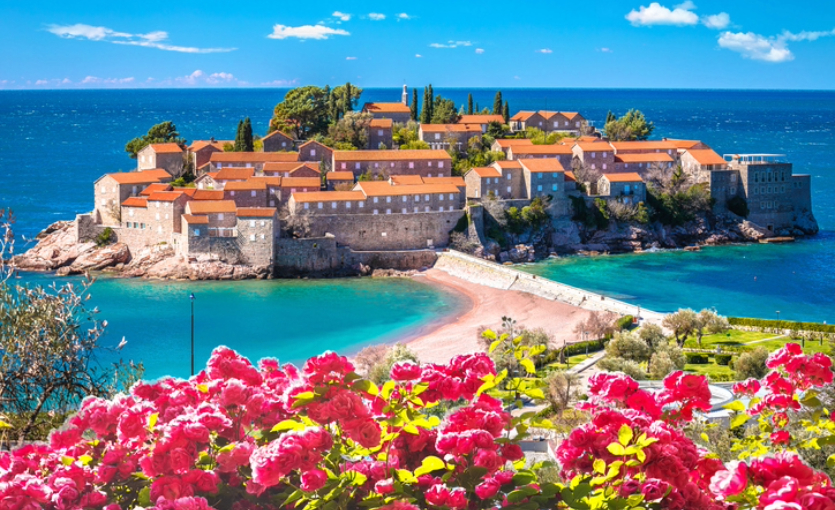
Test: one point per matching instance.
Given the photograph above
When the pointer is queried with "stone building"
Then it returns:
(683, 145)
(221, 216)
(257, 234)
(642, 163)
(699, 163)
(219, 160)
(387, 198)
(645, 147)
(482, 121)
(627, 188)
(168, 156)
(597, 156)
(110, 190)
(380, 133)
(483, 182)
(562, 122)
(201, 150)
(278, 142)
(563, 153)
(444, 136)
(334, 179)
(503, 144)
(543, 177)
(397, 112)
(164, 211)
(327, 202)
(249, 193)
(231, 174)
(426, 163)
(291, 169)
(314, 151)
(523, 120)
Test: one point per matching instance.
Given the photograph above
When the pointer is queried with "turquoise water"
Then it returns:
(291, 320)
(743, 281)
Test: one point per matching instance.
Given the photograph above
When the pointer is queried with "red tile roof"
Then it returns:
(569, 177)
(206, 194)
(507, 142)
(623, 177)
(285, 166)
(166, 148)
(252, 157)
(523, 116)
(382, 123)
(301, 182)
(340, 176)
(683, 144)
(392, 155)
(383, 188)
(158, 186)
(554, 150)
(649, 157)
(386, 108)
(256, 212)
(143, 177)
(486, 171)
(278, 133)
(451, 128)
(198, 145)
(407, 180)
(226, 174)
(248, 185)
(507, 164)
(196, 220)
(650, 145)
(211, 206)
(707, 157)
(542, 165)
(135, 202)
(314, 142)
(327, 196)
(268, 180)
(455, 181)
(165, 196)
(595, 147)
(480, 119)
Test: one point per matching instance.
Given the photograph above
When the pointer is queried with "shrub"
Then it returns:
(105, 237)
(790, 325)
(625, 322)
(628, 367)
(660, 365)
(628, 346)
(751, 365)
(697, 359)
(723, 359)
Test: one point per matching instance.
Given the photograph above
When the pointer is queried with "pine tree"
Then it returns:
(249, 145)
(610, 117)
(414, 106)
(469, 104)
(426, 112)
(239, 137)
(506, 112)
(497, 104)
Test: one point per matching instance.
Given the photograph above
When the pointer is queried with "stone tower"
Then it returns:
(405, 97)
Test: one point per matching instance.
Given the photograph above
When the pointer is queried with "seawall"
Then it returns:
(490, 274)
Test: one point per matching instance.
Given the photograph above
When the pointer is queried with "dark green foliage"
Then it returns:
(610, 117)
(677, 208)
(497, 103)
(463, 224)
(342, 100)
(574, 349)
(624, 322)
(249, 143)
(469, 104)
(304, 112)
(413, 108)
(738, 206)
(790, 325)
(591, 217)
(723, 359)
(239, 137)
(444, 111)
(506, 112)
(495, 130)
(426, 111)
(165, 132)
(697, 359)
(105, 237)
(530, 217)
(632, 126)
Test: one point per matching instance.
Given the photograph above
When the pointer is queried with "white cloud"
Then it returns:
(768, 49)
(341, 15)
(376, 16)
(221, 77)
(479, 51)
(717, 21)
(90, 79)
(657, 14)
(545, 50)
(516, 78)
(281, 83)
(350, 58)
(606, 50)
(403, 15)
(150, 40)
(451, 44)
(305, 32)
(418, 55)
(41, 82)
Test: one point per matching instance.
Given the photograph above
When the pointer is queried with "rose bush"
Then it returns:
(242, 437)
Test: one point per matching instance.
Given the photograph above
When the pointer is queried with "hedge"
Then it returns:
(697, 359)
(575, 349)
(723, 359)
(790, 325)
(625, 322)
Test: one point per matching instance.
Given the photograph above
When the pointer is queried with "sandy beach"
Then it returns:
(486, 308)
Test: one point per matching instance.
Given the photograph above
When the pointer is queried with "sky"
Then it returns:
(743, 44)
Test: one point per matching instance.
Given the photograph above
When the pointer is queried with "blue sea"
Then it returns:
(54, 144)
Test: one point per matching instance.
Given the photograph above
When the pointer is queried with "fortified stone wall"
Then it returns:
(387, 232)
(86, 229)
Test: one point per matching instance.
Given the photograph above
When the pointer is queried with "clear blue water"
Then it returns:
(54, 144)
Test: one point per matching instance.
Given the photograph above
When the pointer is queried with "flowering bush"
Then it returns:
(321, 437)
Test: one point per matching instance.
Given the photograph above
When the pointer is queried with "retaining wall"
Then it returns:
(490, 274)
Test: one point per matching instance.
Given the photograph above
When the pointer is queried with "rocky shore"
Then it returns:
(58, 251)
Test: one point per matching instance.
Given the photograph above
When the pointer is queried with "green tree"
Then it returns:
(343, 100)
(164, 132)
(352, 129)
(610, 117)
(682, 323)
(469, 104)
(632, 126)
(426, 111)
(431, 102)
(506, 112)
(248, 142)
(444, 111)
(303, 113)
(239, 137)
(751, 365)
(710, 323)
(497, 103)
(413, 108)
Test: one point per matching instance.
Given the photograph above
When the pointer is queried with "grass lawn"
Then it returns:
(572, 362)
(811, 347)
(712, 370)
(731, 338)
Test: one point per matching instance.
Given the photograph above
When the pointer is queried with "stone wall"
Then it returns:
(256, 241)
(387, 232)
(85, 228)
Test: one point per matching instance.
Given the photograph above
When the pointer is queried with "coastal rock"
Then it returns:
(56, 248)
(752, 231)
(566, 233)
(98, 259)
(806, 223)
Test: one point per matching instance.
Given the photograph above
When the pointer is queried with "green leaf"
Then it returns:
(388, 388)
(429, 464)
(616, 449)
(292, 498)
(85, 459)
(489, 335)
(625, 434)
(523, 479)
(600, 466)
(406, 476)
(739, 420)
(366, 386)
(357, 478)
(520, 494)
(152, 421)
(144, 497)
(494, 346)
(420, 388)
(67, 461)
(303, 398)
(536, 393)
(529, 366)
(830, 461)
(641, 455)
(287, 425)
(736, 405)
(4, 425)
(411, 429)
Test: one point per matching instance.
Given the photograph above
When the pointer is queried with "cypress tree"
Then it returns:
(469, 104)
(506, 112)
(431, 103)
(349, 100)
(610, 117)
(426, 112)
(414, 106)
(497, 104)
(239, 137)
(247, 136)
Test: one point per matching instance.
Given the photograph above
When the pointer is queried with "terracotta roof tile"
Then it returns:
(480, 119)
(341, 176)
(278, 134)
(256, 212)
(268, 180)
(226, 174)
(392, 155)
(707, 157)
(301, 182)
(523, 116)
(386, 108)
(683, 144)
(382, 123)
(248, 185)
(554, 150)
(252, 157)
(211, 206)
(542, 165)
(455, 181)
(623, 177)
(165, 196)
(166, 148)
(507, 142)
(382, 189)
(158, 186)
(196, 220)
(595, 147)
(407, 180)
(450, 128)
(650, 145)
(198, 145)
(327, 196)
(207, 194)
(282, 166)
(569, 177)
(486, 171)
(143, 177)
(135, 202)
(318, 144)
(649, 157)
(509, 164)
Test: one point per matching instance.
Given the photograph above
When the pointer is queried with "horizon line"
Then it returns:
(399, 87)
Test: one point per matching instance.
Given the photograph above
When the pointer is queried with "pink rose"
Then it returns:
(384, 487)
(488, 488)
(437, 495)
(457, 499)
(731, 481)
(313, 480)
(512, 452)
(655, 489)
(405, 371)
(364, 431)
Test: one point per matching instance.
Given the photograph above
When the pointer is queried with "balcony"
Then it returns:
(755, 159)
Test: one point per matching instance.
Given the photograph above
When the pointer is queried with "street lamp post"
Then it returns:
(191, 298)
